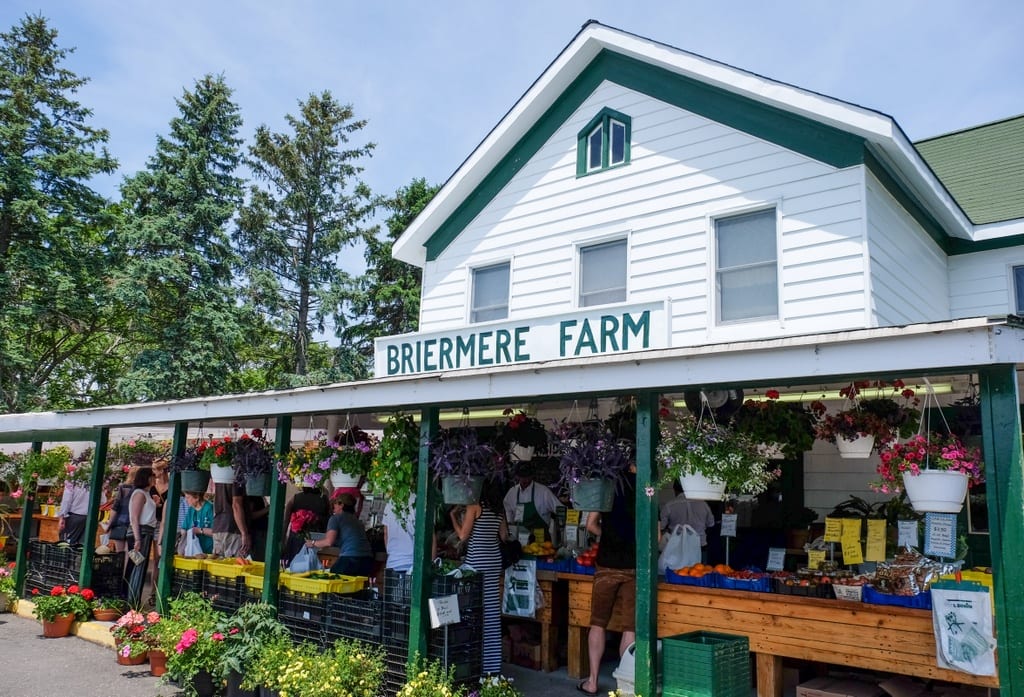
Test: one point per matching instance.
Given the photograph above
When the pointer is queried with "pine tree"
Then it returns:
(178, 256)
(57, 327)
(305, 213)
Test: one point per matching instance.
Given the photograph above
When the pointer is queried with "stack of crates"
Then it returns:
(305, 604)
(55, 564)
(358, 615)
(189, 575)
(457, 646)
(224, 584)
(705, 664)
(107, 574)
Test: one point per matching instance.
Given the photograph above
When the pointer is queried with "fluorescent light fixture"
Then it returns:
(471, 414)
(866, 393)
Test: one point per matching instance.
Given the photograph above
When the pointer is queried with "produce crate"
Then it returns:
(229, 568)
(921, 601)
(224, 593)
(753, 585)
(188, 563)
(709, 580)
(303, 606)
(705, 664)
(302, 583)
(253, 582)
(187, 581)
(812, 590)
(355, 616)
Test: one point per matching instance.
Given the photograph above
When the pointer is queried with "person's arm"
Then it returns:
(510, 503)
(503, 530)
(464, 528)
(238, 511)
(709, 517)
(135, 506)
(328, 540)
(594, 523)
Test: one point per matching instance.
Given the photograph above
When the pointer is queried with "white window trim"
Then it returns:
(1011, 287)
(611, 142)
(577, 273)
(471, 286)
(599, 128)
(741, 329)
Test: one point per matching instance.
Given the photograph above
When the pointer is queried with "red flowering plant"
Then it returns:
(887, 418)
(216, 451)
(190, 636)
(70, 600)
(7, 582)
(133, 633)
(922, 453)
(519, 428)
(302, 522)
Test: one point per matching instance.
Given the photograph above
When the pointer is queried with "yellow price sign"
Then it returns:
(572, 517)
(833, 529)
(815, 558)
(876, 541)
(852, 552)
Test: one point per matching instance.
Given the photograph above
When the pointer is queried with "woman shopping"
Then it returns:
(199, 519)
(142, 523)
(347, 533)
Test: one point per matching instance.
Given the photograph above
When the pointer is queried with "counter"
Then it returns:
(48, 526)
(859, 635)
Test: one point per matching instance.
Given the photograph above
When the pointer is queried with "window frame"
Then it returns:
(593, 243)
(472, 308)
(716, 270)
(1016, 289)
(604, 121)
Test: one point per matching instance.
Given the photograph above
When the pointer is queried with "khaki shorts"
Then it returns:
(614, 589)
(227, 544)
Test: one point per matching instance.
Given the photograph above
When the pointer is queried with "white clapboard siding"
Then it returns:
(909, 278)
(829, 479)
(981, 284)
(683, 170)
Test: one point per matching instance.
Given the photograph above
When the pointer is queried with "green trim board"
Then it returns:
(792, 131)
(51, 435)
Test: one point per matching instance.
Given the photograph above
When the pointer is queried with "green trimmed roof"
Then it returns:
(982, 167)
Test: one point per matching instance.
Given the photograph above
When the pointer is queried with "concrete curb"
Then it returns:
(95, 632)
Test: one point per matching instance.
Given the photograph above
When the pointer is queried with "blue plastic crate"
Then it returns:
(921, 601)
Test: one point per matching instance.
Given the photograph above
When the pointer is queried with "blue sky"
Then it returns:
(433, 78)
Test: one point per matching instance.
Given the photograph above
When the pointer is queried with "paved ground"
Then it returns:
(31, 666)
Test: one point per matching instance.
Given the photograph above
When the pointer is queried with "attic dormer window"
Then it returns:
(604, 143)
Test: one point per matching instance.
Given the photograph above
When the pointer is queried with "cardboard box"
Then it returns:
(835, 687)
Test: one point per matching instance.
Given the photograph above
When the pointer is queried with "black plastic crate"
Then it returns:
(187, 581)
(106, 565)
(224, 593)
(355, 616)
(303, 606)
(304, 630)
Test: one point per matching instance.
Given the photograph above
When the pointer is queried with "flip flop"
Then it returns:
(585, 691)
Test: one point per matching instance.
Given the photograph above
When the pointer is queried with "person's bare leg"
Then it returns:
(627, 639)
(595, 652)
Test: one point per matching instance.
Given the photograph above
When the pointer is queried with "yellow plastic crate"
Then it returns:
(253, 581)
(301, 583)
(230, 568)
(188, 563)
(981, 577)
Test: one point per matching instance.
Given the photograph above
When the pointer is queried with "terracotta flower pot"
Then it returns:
(106, 614)
(157, 662)
(131, 660)
(59, 627)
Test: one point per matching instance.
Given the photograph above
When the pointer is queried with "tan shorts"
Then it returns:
(614, 589)
(227, 544)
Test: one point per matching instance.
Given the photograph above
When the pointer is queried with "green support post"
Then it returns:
(646, 667)
(92, 516)
(24, 532)
(165, 571)
(426, 503)
(1001, 440)
(275, 516)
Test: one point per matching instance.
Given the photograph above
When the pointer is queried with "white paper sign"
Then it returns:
(940, 534)
(776, 558)
(444, 611)
(729, 525)
(907, 533)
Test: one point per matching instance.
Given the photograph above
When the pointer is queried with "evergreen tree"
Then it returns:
(178, 257)
(305, 212)
(387, 300)
(56, 322)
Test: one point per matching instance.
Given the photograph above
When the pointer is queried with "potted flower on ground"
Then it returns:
(188, 635)
(108, 609)
(393, 469)
(8, 592)
(520, 435)
(936, 472)
(711, 460)
(592, 462)
(62, 607)
(247, 633)
(253, 460)
(774, 424)
(461, 461)
(869, 423)
(133, 637)
(352, 457)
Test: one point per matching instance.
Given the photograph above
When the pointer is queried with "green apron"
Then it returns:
(532, 520)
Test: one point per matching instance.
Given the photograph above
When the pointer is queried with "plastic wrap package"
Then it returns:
(910, 573)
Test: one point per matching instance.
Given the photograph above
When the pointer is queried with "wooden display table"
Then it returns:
(551, 618)
(860, 635)
(45, 527)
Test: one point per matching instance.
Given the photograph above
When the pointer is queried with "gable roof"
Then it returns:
(983, 168)
(828, 129)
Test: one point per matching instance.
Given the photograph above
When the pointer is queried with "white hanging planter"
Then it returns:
(936, 491)
(697, 486)
(342, 480)
(857, 449)
(222, 474)
(521, 453)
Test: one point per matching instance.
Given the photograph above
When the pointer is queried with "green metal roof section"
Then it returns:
(800, 134)
(982, 167)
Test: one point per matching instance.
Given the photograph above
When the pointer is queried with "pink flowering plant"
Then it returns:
(922, 453)
(135, 633)
(190, 634)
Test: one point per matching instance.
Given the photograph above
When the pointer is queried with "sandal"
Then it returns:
(586, 691)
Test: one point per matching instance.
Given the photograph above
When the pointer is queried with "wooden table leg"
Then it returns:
(578, 664)
(769, 675)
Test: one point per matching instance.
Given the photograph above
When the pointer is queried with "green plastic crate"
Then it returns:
(705, 664)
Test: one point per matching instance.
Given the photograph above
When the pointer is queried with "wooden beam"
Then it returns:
(646, 668)
(275, 520)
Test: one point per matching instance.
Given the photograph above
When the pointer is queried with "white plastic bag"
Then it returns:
(192, 546)
(520, 597)
(962, 620)
(682, 549)
(305, 560)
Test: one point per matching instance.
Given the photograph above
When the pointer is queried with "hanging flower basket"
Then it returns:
(461, 490)
(342, 480)
(593, 494)
(859, 448)
(222, 474)
(194, 480)
(258, 485)
(938, 491)
(697, 486)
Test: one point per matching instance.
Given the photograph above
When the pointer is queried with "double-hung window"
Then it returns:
(1018, 290)
(490, 293)
(603, 143)
(603, 273)
(746, 273)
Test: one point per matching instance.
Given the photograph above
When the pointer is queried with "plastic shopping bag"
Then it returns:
(520, 597)
(962, 620)
(192, 546)
(682, 549)
(305, 560)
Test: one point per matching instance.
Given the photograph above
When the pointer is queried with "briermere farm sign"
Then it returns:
(605, 331)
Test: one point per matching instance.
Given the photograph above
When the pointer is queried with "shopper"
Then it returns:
(309, 499)
(230, 528)
(399, 537)
(614, 589)
(347, 533)
(74, 507)
(528, 504)
(199, 519)
(142, 525)
(483, 525)
(683, 511)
